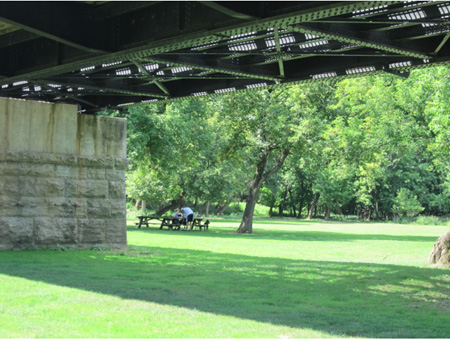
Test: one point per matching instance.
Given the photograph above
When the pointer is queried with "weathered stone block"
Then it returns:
(121, 163)
(61, 159)
(81, 207)
(98, 208)
(116, 190)
(86, 188)
(30, 206)
(66, 171)
(102, 136)
(42, 187)
(95, 173)
(70, 188)
(55, 231)
(63, 207)
(91, 231)
(118, 208)
(116, 231)
(40, 170)
(16, 233)
(92, 188)
(115, 175)
(14, 156)
(11, 185)
(96, 162)
(6, 205)
(25, 156)
(14, 169)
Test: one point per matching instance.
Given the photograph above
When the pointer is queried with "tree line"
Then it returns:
(374, 146)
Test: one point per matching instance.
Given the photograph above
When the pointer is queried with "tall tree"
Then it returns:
(263, 124)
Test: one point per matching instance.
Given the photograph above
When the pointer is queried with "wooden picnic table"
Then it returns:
(171, 222)
(145, 219)
(176, 222)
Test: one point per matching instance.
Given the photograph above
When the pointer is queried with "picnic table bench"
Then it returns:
(198, 224)
(145, 220)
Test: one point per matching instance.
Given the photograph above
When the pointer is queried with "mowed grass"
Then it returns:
(289, 279)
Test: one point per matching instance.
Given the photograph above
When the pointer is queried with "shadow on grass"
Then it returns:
(350, 299)
(284, 235)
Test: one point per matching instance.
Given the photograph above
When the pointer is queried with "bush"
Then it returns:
(423, 220)
(233, 209)
(345, 218)
(406, 204)
(429, 220)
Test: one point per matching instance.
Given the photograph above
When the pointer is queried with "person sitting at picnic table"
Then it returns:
(188, 217)
(177, 214)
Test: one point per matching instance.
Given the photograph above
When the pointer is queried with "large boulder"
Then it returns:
(441, 251)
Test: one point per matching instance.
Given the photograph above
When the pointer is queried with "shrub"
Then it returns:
(406, 204)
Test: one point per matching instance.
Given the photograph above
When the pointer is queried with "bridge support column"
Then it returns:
(62, 177)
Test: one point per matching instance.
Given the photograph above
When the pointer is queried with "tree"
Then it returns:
(166, 150)
(383, 137)
(347, 146)
(263, 127)
(438, 119)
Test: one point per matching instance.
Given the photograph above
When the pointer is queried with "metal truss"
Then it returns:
(101, 55)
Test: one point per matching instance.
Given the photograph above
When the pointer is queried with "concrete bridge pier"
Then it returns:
(62, 177)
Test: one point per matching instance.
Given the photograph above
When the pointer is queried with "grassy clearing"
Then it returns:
(290, 279)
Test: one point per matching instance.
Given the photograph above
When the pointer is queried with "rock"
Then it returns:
(440, 254)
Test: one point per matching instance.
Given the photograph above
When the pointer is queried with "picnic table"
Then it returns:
(176, 222)
(145, 220)
(171, 222)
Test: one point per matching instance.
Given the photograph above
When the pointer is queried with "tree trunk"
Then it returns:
(312, 208)
(300, 208)
(207, 209)
(377, 216)
(283, 202)
(327, 213)
(143, 205)
(292, 200)
(246, 225)
(280, 209)
(440, 255)
(271, 210)
(136, 206)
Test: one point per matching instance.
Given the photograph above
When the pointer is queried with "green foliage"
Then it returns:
(357, 142)
(406, 204)
(432, 220)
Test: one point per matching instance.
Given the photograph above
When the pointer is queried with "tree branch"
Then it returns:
(277, 166)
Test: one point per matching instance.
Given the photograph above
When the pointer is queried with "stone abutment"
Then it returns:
(62, 177)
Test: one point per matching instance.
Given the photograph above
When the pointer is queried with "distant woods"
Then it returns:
(374, 146)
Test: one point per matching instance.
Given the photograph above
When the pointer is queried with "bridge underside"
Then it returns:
(111, 54)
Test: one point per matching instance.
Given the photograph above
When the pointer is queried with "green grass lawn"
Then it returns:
(290, 279)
